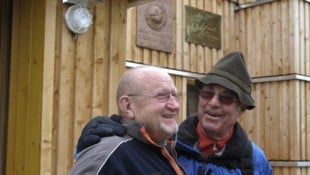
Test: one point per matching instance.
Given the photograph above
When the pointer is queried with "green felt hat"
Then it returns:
(231, 73)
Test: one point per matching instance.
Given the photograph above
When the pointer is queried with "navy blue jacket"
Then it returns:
(240, 156)
(132, 154)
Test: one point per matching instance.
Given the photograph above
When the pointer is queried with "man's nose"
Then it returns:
(173, 103)
(215, 100)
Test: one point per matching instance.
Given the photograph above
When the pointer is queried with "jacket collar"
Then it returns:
(234, 148)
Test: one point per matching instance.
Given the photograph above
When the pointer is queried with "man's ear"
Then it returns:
(125, 105)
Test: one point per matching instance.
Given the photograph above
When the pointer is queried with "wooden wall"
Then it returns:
(58, 83)
(275, 38)
(72, 80)
(25, 92)
(5, 39)
(85, 74)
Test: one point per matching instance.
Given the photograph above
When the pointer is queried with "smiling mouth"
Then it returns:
(213, 114)
(169, 116)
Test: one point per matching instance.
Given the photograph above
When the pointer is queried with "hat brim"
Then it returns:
(244, 97)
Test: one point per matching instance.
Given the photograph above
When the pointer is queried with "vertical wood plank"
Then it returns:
(242, 31)
(215, 57)
(26, 84)
(163, 59)
(11, 166)
(184, 98)
(227, 27)
(274, 138)
(307, 116)
(179, 84)
(268, 42)
(293, 33)
(117, 49)
(186, 53)
(137, 50)
(250, 40)
(275, 31)
(268, 125)
(83, 84)
(101, 61)
(208, 62)
(193, 47)
(172, 59)
(179, 39)
(257, 57)
(130, 34)
(307, 38)
(302, 124)
(22, 96)
(64, 128)
(155, 59)
(233, 23)
(301, 38)
(49, 89)
(34, 105)
(147, 56)
(284, 114)
(199, 48)
(285, 38)
(294, 127)
(259, 116)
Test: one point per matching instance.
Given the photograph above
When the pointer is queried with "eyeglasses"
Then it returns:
(161, 97)
(225, 98)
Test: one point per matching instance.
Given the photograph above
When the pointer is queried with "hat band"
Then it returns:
(234, 79)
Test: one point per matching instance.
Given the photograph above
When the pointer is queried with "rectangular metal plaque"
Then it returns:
(202, 27)
(155, 25)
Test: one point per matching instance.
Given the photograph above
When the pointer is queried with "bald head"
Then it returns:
(148, 95)
(137, 79)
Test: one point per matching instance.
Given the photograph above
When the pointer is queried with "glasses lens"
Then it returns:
(166, 96)
(163, 96)
(224, 99)
(205, 94)
(177, 96)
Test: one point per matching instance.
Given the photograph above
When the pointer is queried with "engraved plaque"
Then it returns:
(202, 27)
(155, 25)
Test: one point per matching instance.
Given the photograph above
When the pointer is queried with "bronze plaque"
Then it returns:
(202, 27)
(155, 25)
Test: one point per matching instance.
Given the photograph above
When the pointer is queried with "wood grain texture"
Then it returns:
(59, 83)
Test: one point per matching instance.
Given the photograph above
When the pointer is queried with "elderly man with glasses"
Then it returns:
(212, 141)
(148, 105)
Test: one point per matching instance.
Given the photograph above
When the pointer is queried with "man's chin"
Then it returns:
(170, 129)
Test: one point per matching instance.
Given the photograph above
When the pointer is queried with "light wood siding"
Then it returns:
(274, 38)
(25, 92)
(59, 83)
(87, 72)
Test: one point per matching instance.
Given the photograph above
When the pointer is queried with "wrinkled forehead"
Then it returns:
(155, 81)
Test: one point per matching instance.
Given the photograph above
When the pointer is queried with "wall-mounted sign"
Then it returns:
(155, 25)
(202, 27)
